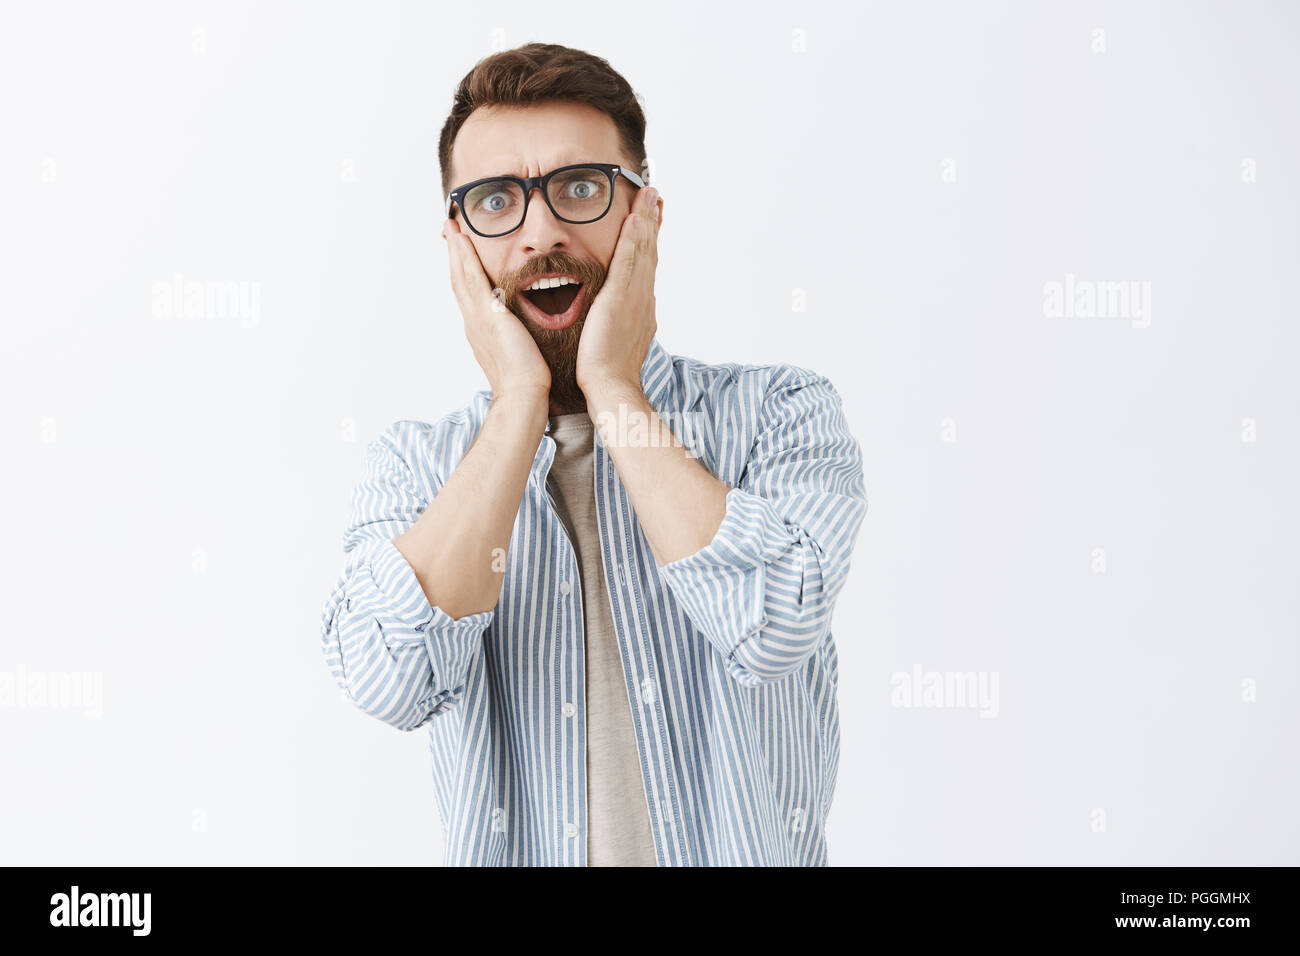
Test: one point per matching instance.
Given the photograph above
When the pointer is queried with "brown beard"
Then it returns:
(559, 347)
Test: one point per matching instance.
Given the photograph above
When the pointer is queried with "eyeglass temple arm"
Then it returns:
(640, 183)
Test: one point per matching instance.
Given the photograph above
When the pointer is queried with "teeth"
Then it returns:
(550, 283)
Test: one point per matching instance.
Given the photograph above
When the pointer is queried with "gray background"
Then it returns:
(176, 487)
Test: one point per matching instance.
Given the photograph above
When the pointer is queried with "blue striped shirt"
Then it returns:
(730, 664)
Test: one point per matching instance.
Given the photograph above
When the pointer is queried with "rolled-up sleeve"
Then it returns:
(395, 655)
(763, 590)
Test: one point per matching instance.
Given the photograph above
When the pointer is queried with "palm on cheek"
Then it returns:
(618, 329)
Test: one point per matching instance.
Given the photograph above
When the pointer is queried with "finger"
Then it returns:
(654, 215)
(650, 212)
(650, 203)
(468, 275)
(648, 206)
(644, 254)
(623, 264)
(449, 232)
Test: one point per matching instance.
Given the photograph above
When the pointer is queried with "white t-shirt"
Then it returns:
(618, 818)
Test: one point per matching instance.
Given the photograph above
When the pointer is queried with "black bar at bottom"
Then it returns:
(1176, 905)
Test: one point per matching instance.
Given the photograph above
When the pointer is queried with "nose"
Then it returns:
(540, 231)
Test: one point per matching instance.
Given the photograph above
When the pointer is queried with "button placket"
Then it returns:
(651, 733)
(570, 619)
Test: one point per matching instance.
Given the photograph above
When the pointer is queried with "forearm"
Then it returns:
(453, 546)
(678, 503)
(764, 588)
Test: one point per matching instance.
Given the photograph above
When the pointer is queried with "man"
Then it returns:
(619, 639)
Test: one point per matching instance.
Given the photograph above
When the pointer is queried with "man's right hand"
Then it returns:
(502, 346)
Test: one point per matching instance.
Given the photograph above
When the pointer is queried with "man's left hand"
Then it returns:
(621, 322)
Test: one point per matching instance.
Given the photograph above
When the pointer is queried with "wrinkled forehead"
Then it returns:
(531, 140)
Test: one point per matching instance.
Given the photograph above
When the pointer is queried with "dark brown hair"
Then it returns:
(538, 72)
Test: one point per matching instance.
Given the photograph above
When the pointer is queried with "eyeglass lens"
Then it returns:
(578, 195)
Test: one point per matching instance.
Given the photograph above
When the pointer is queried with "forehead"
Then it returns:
(530, 140)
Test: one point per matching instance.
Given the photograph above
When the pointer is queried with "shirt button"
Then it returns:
(565, 587)
(647, 691)
(569, 709)
(570, 830)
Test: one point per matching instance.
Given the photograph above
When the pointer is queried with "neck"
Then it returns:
(567, 407)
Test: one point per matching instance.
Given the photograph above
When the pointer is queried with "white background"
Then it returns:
(176, 488)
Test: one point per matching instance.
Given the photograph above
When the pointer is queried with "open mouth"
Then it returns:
(555, 302)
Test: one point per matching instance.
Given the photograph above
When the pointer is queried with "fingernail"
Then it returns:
(653, 196)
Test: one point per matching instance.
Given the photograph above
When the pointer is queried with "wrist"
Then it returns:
(610, 392)
(527, 405)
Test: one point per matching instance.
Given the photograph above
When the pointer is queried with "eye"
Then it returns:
(582, 189)
(492, 198)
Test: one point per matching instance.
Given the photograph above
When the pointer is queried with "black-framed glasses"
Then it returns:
(578, 194)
